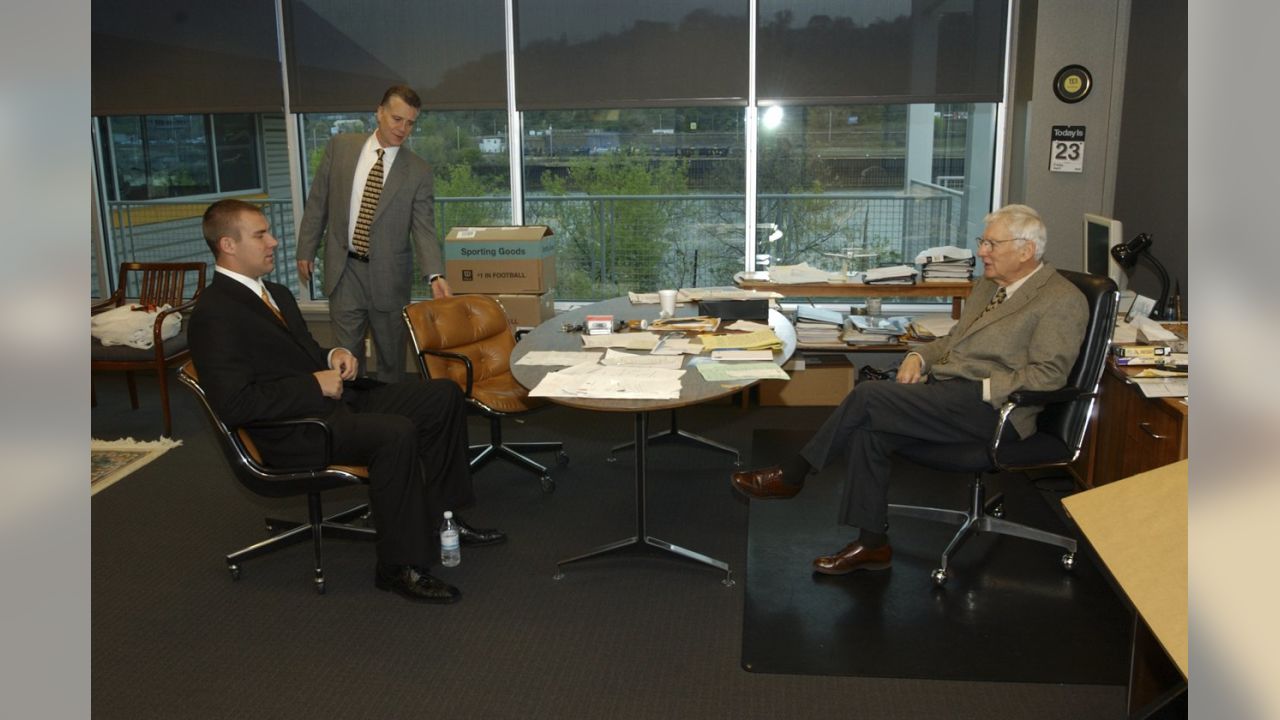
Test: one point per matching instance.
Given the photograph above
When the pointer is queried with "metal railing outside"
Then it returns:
(609, 244)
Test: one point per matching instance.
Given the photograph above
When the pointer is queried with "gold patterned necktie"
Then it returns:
(368, 206)
(995, 301)
(267, 299)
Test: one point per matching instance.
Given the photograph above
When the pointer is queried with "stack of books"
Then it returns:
(816, 326)
(946, 263)
(875, 330)
(892, 275)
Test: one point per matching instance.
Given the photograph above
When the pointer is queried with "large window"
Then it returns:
(875, 184)
(638, 199)
(467, 151)
(151, 157)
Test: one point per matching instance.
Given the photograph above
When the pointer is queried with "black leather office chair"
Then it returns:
(1060, 430)
(246, 463)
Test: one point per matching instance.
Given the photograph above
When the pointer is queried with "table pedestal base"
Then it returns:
(642, 543)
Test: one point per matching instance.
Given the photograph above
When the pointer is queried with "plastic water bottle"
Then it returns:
(450, 551)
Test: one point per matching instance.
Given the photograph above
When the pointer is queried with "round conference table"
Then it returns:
(551, 335)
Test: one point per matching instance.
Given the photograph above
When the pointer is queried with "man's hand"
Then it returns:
(440, 288)
(909, 369)
(330, 383)
(304, 270)
(345, 363)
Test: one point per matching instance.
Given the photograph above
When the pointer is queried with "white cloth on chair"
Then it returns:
(126, 326)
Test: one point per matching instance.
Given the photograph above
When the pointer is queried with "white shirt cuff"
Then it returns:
(986, 390)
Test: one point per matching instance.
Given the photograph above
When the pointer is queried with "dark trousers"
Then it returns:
(879, 417)
(413, 437)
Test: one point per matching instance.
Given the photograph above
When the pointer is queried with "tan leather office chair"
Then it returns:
(1060, 430)
(466, 339)
(157, 284)
(247, 465)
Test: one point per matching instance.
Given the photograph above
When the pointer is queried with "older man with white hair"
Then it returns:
(1021, 329)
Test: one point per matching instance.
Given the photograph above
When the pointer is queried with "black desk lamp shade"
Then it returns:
(1127, 255)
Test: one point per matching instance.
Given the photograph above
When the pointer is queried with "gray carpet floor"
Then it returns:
(175, 637)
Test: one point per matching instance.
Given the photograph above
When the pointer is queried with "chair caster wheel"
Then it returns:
(548, 484)
(319, 587)
(1069, 561)
(997, 511)
(611, 458)
(939, 577)
(562, 458)
(235, 571)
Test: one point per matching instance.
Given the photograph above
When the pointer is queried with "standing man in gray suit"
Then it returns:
(1021, 329)
(372, 204)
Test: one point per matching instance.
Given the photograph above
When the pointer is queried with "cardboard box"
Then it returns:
(825, 380)
(528, 311)
(507, 259)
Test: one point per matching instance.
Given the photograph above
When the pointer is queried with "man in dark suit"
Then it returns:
(1021, 329)
(372, 205)
(258, 361)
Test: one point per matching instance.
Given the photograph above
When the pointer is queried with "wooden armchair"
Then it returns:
(156, 284)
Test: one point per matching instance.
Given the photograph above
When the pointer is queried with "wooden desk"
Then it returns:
(957, 291)
(550, 335)
(1131, 433)
(1138, 527)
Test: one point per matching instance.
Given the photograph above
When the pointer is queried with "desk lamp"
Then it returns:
(1127, 255)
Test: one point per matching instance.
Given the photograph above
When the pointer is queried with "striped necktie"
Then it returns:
(368, 206)
(995, 301)
(267, 299)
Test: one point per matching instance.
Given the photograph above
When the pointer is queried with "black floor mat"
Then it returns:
(1009, 612)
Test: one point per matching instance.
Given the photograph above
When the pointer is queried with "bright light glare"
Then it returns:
(773, 117)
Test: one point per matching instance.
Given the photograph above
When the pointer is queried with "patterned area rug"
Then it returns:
(112, 460)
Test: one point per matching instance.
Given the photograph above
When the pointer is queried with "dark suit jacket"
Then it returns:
(407, 203)
(253, 368)
(1028, 342)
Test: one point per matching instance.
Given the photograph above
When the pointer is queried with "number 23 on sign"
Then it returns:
(1066, 149)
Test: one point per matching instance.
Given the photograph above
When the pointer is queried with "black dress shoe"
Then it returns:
(415, 584)
(478, 536)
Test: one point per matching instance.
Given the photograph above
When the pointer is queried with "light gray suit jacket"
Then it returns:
(1028, 342)
(407, 203)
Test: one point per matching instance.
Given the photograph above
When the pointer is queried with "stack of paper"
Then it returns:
(758, 340)
(946, 263)
(818, 326)
(892, 275)
(873, 330)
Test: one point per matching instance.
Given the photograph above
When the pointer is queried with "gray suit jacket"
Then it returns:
(1029, 342)
(407, 203)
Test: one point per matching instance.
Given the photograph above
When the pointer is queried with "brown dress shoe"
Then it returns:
(854, 556)
(764, 484)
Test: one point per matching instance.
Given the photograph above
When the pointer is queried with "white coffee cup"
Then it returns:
(667, 302)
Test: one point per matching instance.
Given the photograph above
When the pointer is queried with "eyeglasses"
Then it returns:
(989, 245)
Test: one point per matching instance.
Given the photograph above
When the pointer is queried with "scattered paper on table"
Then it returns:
(1162, 387)
(612, 382)
(741, 372)
(631, 341)
(558, 357)
(617, 357)
(747, 326)
(741, 355)
(672, 345)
